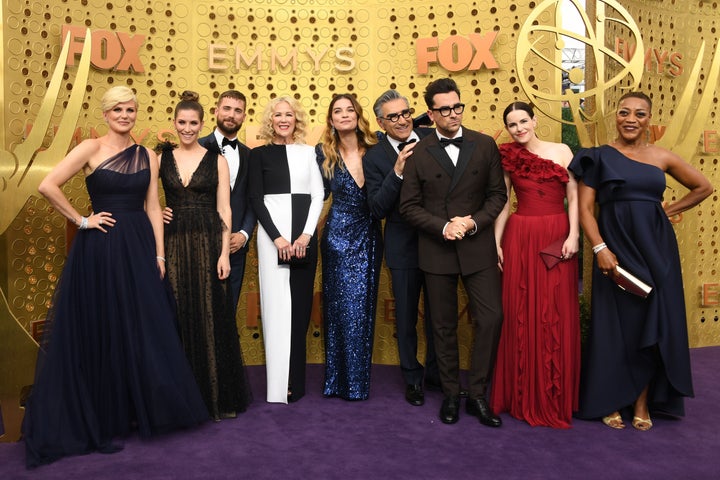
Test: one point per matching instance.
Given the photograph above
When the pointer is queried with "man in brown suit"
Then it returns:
(453, 190)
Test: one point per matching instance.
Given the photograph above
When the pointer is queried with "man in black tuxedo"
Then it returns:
(230, 114)
(383, 166)
(453, 189)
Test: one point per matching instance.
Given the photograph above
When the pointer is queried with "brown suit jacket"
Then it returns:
(434, 191)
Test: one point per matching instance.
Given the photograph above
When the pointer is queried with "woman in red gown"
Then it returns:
(538, 364)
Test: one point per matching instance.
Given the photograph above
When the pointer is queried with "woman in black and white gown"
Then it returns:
(286, 192)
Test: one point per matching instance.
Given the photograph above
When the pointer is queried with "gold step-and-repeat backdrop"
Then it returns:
(59, 57)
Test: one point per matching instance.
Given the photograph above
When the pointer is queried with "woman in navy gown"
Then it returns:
(111, 359)
(637, 355)
(197, 245)
(351, 249)
(286, 192)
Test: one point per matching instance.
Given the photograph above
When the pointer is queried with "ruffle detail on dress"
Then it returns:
(166, 146)
(595, 168)
(521, 161)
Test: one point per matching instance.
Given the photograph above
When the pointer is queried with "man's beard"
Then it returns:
(226, 132)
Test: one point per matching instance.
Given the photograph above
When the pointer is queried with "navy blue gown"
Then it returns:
(633, 342)
(111, 359)
(351, 249)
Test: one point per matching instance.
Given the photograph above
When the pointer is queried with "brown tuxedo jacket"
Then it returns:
(434, 191)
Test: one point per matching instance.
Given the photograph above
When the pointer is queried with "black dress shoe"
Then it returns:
(479, 408)
(414, 395)
(463, 392)
(450, 410)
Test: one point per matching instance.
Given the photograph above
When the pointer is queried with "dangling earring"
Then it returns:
(332, 129)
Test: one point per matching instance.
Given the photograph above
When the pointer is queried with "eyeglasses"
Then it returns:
(394, 117)
(445, 111)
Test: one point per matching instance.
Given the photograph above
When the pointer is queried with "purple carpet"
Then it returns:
(384, 437)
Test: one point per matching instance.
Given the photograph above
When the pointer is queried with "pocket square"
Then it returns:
(552, 254)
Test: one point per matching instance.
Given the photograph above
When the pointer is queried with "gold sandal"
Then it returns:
(642, 424)
(614, 421)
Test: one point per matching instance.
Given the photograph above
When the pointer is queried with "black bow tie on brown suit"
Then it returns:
(444, 142)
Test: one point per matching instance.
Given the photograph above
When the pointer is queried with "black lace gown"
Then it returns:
(193, 241)
(111, 359)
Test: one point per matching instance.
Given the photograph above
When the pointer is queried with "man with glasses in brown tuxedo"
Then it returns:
(453, 189)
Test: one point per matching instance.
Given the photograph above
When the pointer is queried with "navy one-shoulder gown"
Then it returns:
(111, 361)
(633, 342)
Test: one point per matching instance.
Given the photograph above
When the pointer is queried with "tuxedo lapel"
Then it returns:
(242, 168)
(441, 156)
(463, 160)
(390, 153)
(213, 146)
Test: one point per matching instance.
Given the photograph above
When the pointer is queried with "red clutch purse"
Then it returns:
(552, 254)
(630, 283)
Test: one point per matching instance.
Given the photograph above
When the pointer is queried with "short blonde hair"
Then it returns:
(266, 127)
(116, 95)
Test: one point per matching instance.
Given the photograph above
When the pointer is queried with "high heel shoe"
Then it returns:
(642, 424)
(614, 421)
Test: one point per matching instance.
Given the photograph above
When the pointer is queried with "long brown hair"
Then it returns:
(366, 137)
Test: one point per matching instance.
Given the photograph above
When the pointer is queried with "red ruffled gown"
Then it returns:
(538, 363)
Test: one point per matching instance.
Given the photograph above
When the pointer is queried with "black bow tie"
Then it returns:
(233, 143)
(457, 141)
(405, 144)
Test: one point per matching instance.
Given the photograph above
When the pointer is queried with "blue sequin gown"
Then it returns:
(351, 249)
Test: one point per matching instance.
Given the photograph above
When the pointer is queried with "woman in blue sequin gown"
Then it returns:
(351, 249)
(110, 360)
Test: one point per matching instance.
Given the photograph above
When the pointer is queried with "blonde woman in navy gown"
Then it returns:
(197, 243)
(637, 359)
(286, 192)
(351, 249)
(111, 361)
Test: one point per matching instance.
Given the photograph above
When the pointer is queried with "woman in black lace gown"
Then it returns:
(197, 243)
(110, 360)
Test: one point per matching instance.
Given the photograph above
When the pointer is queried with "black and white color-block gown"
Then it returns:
(286, 192)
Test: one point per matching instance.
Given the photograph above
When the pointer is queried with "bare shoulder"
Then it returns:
(663, 158)
(86, 154)
(88, 146)
(557, 152)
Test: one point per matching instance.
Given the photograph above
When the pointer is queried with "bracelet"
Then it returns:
(597, 248)
(83, 225)
(162, 259)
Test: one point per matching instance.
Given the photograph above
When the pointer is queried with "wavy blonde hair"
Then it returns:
(266, 127)
(365, 136)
